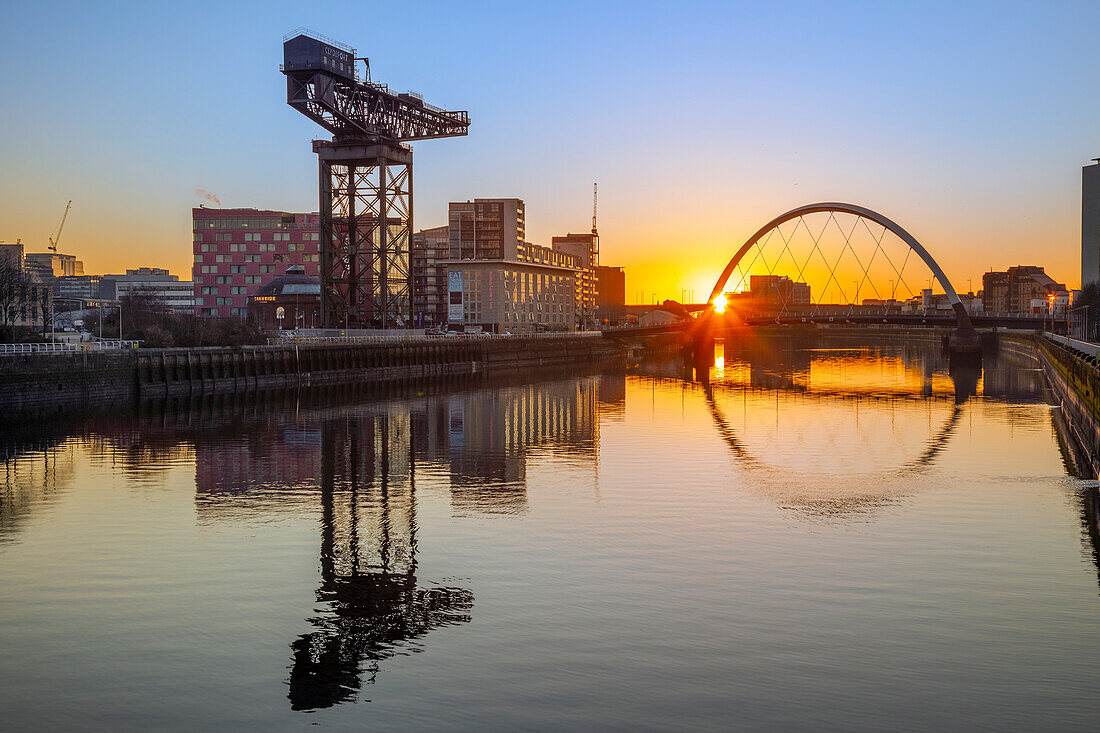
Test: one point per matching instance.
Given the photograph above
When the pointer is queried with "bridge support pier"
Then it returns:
(964, 348)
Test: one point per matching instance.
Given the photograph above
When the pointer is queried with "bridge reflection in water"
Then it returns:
(820, 419)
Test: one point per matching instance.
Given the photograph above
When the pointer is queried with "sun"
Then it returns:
(719, 303)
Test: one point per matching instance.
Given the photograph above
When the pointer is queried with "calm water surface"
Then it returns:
(808, 538)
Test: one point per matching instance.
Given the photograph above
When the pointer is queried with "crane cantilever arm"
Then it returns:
(343, 107)
(57, 237)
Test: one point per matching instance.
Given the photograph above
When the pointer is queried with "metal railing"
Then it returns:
(419, 338)
(1076, 345)
(63, 347)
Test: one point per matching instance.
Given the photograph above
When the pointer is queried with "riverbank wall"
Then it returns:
(1075, 387)
(31, 383)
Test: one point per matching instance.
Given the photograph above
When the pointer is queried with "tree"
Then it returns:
(142, 308)
(12, 287)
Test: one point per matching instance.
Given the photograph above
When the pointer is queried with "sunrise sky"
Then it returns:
(966, 123)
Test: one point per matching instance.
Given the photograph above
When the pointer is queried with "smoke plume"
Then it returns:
(208, 196)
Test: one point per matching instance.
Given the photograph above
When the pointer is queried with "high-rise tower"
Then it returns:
(1090, 223)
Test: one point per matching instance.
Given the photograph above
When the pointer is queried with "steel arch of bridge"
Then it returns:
(927, 457)
(961, 316)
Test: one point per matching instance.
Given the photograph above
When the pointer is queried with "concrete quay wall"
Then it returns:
(1074, 389)
(1075, 385)
(34, 382)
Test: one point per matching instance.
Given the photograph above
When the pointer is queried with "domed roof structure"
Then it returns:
(294, 282)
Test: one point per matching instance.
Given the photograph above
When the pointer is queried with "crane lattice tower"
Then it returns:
(366, 181)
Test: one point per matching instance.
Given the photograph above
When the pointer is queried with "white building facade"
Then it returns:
(510, 297)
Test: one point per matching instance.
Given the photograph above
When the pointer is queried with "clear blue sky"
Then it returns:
(966, 122)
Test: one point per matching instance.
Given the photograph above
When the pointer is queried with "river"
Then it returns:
(806, 537)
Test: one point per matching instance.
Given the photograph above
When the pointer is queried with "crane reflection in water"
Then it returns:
(368, 588)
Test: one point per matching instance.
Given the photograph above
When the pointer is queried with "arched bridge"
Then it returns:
(962, 318)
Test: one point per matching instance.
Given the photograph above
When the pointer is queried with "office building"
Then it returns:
(1013, 290)
(494, 229)
(486, 229)
(238, 250)
(430, 247)
(493, 296)
(995, 292)
(496, 280)
(610, 294)
(778, 290)
(12, 251)
(586, 248)
(47, 267)
(1090, 223)
(78, 287)
(177, 295)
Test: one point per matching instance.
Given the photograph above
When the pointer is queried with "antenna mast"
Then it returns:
(594, 200)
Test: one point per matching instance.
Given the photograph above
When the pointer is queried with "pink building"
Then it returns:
(238, 250)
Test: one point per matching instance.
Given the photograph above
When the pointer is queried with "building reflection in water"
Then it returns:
(363, 461)
(484, 439)
(35, 471)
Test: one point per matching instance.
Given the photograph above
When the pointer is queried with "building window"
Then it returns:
(267, 268)
(223, 237)
(237, 269)
(238, 290)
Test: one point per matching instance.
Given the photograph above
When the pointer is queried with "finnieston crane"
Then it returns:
(366, 193)
(57, 237)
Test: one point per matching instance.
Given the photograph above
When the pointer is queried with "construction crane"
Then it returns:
(57, 237)
(366, 203)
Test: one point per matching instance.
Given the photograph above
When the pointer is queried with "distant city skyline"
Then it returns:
(699, 123)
